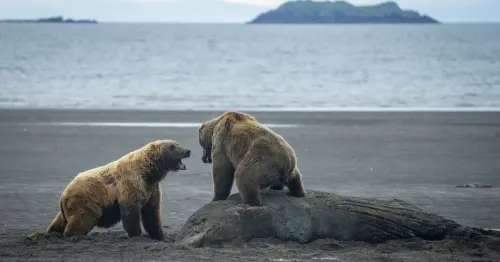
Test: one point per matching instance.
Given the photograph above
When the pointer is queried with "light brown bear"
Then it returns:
(241, 148)
(124, 190)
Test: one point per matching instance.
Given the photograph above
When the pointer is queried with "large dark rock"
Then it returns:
(316, 216)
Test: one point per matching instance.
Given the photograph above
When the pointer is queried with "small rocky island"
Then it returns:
(55, 19)
(309, 12)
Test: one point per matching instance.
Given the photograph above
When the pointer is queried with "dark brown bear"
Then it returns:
(242, 149)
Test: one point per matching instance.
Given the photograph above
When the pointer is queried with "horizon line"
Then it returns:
(260, 24)
(6, 20)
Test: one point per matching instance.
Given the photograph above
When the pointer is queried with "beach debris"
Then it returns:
(35, 235)
(318, 215)
(473, 186)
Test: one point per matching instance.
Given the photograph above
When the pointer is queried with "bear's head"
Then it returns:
(222, 123)
(169, 155)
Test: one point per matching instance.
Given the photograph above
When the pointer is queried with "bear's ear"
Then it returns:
(157, 148)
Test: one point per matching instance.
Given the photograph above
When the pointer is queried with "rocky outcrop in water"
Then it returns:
(55, 19)
(340, 12)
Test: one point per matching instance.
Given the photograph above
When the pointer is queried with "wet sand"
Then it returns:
(418, 157)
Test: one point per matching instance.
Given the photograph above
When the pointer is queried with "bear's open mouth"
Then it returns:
(180, 165)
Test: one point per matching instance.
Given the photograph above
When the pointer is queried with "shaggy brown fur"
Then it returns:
(240, 148)
(124, 190)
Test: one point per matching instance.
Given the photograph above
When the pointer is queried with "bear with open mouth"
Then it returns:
(126, 190)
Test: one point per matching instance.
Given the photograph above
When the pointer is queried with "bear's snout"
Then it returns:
(188, 153)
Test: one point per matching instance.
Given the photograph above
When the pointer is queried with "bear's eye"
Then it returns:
(172, 146)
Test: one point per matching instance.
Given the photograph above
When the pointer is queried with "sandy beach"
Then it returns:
(418, 157)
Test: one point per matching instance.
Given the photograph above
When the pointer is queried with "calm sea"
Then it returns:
(190, 66)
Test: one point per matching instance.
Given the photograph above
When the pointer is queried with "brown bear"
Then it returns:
(241, 148)
(124, 190)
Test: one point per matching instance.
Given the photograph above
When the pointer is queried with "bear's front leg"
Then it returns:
(131, 219)
(150, 216)
(295, 185)
(222, 176)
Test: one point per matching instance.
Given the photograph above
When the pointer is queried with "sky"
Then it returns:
(223, 11)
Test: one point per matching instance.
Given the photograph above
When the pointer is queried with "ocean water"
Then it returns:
(223, 66)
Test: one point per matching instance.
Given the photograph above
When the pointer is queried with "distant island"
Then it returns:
(55, 19)
(308, 12)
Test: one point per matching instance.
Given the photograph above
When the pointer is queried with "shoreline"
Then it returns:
(275, 109)
(285, 119)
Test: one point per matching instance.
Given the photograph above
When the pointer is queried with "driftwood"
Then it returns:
(319, 215)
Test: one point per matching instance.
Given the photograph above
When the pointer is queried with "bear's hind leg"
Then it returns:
(295, 185)
(222, 175)
(247, 184)
(58, 224)
(81, 216)
(80, 225)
